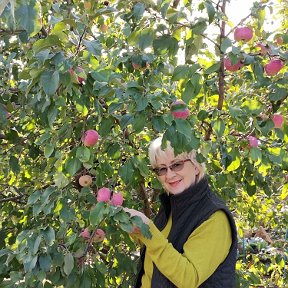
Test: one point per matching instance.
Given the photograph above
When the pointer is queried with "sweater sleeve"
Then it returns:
(205, 249)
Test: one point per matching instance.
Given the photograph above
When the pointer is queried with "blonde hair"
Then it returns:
(155, 151)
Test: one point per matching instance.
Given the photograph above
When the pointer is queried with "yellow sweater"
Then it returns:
(205, 249)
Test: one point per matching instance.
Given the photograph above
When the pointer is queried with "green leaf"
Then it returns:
(122, 216)
(45, 262)
(68, 263)
(139, 122)
(255, 154)
(211, 11)
(127, 227)
(14, 165)
(183, 127)
(126, 120)
(106, 126)
(158, 123)
(278, 94)
(199, 27)
(144, 228)
(29, 263)
(83, 154)
(93, 46)
(188, 93)
(126, 172)
(218, 127)
(33, 198)
(138, 11)
(180, 72)
(26, 16)
(97, 213)
(37, 242)
(164, 44)
(235, 164)
(52, 115)
(49, 235)
(49, 81)
(146, 38)
(51, 40)
(225, 44)
(86, 281)
(48, 150)
(141, 102)
(72, 165)
(213, 68)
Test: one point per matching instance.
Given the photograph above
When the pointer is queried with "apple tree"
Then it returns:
(86, 85)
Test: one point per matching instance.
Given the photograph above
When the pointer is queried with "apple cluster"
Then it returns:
(278, 121)
(97, 236)
(104, 195)
(90, 139)
(245, 34)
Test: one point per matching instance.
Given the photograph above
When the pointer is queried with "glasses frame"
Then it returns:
(175, 167)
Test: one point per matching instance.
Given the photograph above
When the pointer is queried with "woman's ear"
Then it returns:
(197, 170)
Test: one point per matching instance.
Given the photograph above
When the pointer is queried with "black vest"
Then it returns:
(189, 210)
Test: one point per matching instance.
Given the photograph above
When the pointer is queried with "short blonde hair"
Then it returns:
(155, 151)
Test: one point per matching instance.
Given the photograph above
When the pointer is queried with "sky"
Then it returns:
(239, 9)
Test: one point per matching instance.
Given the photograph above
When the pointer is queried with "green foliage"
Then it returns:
(63, 72)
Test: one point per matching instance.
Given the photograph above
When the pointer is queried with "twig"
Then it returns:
(80, 40)
(143, 195)
(221, 73)
(240, 23)
(12, 199)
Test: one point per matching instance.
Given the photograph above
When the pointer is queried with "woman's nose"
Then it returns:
(170, 173)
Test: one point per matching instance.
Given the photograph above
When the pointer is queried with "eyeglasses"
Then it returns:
(175, 167)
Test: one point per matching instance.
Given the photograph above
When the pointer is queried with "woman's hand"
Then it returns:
(134, 212)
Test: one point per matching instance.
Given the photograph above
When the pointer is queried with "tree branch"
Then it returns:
(13, 199)
(80, 40)
(221, 73)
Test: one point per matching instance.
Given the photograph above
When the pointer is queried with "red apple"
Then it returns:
(232, 67)
(117, 199)
(277, 120)
(253, 141)
(179, 109)
(103, 194)
(273, 67)
(99, 235)
(85, 233)
(90, 138)
(85, 180)
(243, 34)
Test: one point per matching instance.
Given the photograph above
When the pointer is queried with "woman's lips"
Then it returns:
(174, 183)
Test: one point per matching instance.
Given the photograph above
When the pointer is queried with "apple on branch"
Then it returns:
(117, 199)
(244, 34)
(253, 141)
(103, 194)
(232, 67)
(179, 109)
(278, 120)
(99, 235)
(273, 67)
(90, 138)
(85, 180)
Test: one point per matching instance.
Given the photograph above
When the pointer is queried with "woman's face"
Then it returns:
(176, 182)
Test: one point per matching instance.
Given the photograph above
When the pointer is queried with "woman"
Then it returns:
(194, 238)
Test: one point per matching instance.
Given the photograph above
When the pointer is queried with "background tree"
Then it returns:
(85, 85)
